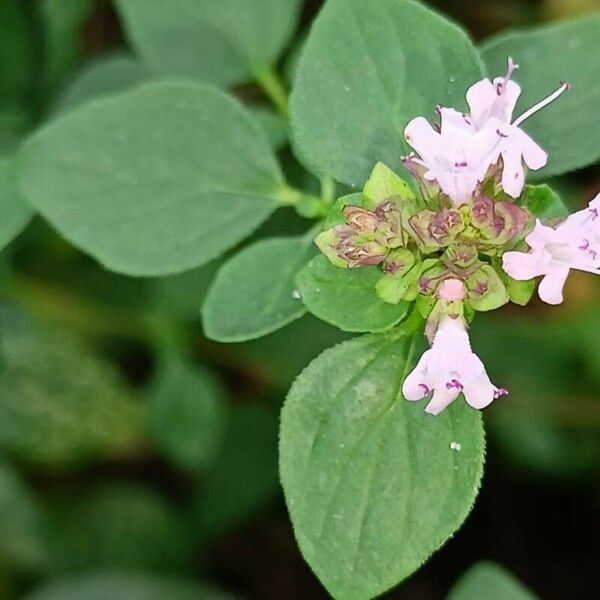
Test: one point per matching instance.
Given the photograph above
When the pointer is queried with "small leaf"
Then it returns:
(498, 584)
(153, 181)
(221, 42)
(367, 68)
(187, 413)
(569, 129)
(254, 293)
(519, 292)
(14, 212)
(384, 184)
(371, 481)
(544, 202)
(60, 405)
(244, 476)
(104, 76)
(116, 585)
(346, 298)
(114, 525)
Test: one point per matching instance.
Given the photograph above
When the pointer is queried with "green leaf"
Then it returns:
(114, 525)
(384, 184)
(498, 584)
(371, 482)
(275, 126)
(105, 585)
(17, 52)
(244, 476)
(366, 70)
(544, 202)
(60, 405)
(21, 543)
(253, 293)
(63, 26)
(187, 412)
(222, 42)
(346, 298)
(569, 130)
(154, 181)
(14, 212)
(103, 76)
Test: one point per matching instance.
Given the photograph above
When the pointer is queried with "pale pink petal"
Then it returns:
(480, 392)
(480, 98)
(550, 289)
(540, 236)
(513, 174)
(417, 383)
(490, 99)
(523, 266)
(442, 397)
(423, 138)
(452, 118)
(533, 155)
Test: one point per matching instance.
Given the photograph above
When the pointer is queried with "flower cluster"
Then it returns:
(467, 240)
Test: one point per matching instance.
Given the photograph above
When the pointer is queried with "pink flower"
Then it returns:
(459, 152)
(455, 157)
(448, 368)
(574, 244)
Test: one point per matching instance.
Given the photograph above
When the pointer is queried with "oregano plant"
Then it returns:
(424, 199)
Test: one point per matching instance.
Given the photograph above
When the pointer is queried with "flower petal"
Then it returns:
(550, 289)
(442, 397)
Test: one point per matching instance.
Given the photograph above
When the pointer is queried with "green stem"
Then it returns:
(327, 189)
(273, 86)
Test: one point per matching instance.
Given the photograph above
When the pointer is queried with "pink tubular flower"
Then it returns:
(448, 368)
(574, 244)
(459, 152)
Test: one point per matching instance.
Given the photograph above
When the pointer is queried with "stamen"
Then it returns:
(425, 389)
(500, 392)
(594, 212)
(564, 86)
(461, 164)
(510, 69)
(585, 245)
(503, 135)
(454, 383)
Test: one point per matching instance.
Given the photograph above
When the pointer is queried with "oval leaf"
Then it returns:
(346, 298)
(367, 68)
(107, 75)
(60, 404)
(221, 42)
(116, 525)
(187, 412)
(253, 293)
(569, 130)
(154, 181)
(371, 482)
(102, 585)
(498, 584)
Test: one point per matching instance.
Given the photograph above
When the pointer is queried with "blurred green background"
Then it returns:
(138, 460)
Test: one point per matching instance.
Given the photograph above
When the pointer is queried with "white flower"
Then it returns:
(448, 368)
(574, 244)
(459, 152)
